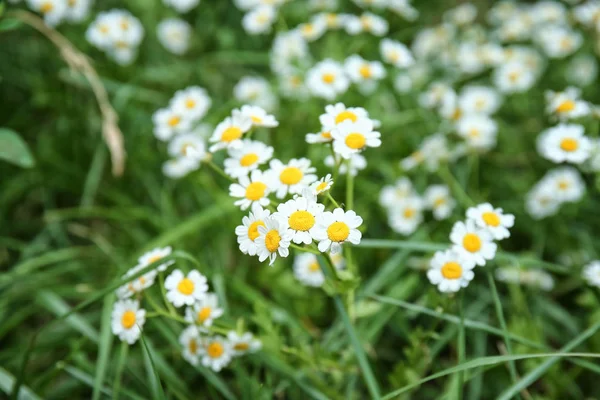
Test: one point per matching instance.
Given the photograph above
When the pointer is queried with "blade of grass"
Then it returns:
(152, 373)
(119, 370)
(7, 380)
(87, 379)
(104, 346)
(461, 346)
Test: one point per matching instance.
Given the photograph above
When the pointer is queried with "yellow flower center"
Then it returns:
(326, 135)
(185, 149)
(480, 103)
(193, 346)
(456, 114)
(46, 7)
(321, 186)
(253, 229)
(328, 78)
(301, 220)
(314, 267)
(569, 144)
(272, 240)
(72, 3)
(563, 184)
(190, 103)
(203, 314)
(185, 286)
(451, 270)
(256, 120)
(124, 24)
(338, 232)
(291, 176)
(121, 44)
(230, 134)
(331, 19)
(241, 346)
(215, 350)
(307, 29)
(174, 121)
(409, 212)
(514, 76)
(103, 28)
(565, 106)
(440, 201)
(128, 319)
(474, 133)
(255, 191)
(394, 55)
(491, 218)
(365, 71)
(344, 115)
(248, 159)
(471, 242)
(365, 21)
(356, 141)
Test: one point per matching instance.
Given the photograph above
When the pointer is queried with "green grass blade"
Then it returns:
(104, 346)
(121, 361)
(7, 380)
(152, 372)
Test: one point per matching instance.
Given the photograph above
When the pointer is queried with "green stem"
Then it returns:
(218, 170)
(119, 372)
(349, 188)
(335, 203)
(163, 292)
(461, 345)
(306, 249)
(455, 186)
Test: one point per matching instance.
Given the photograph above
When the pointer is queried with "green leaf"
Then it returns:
(8, 24)
(12, 148)
(152, 372)
(6, 383)
(106, 339)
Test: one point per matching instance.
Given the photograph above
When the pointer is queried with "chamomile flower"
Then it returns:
(155, 255)
(399, 191)
(216, 352)
(566, 105)
(168, 123)
(541, 201)
(53, 11)
(182, 6)
(582, 69)
(591, 273)
(228, 134)
(356, 163)
(312, 31)
(243, 344)
(179, 167)
(362, 72)
(513, 77)
(308, 272)
(472, 243)
(439, 200)
(247, 158)
(322, 185)
(478, 130)
(337, 227)
(290, 178)
(566, 183)
(77, 10)
(405, 216)
(185, 290)
(450, 271)
(247, 233)
(337, 113)
(188, 145)
(301, 215)
(493, 220)
(564, 143)
(259, 116)
(127, 320)
(353, 137)
(174, 35)
(191, 343)
(322, 137)
(461, 15)
(437, 151)
(273, 239)
(100, 32)
(367, 22)
(204, 311)
(558, 41)
(329, 19)
(396, 53)
(192, 103)
(259, 20)
(530, 277)
(327, 79)
(479, 100)
(404, 9)
(256, 91)
(138, 284)
(252, 189)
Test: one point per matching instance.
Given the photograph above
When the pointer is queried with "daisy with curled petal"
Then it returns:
(494, 220)
(273, 238)
(155, 255)
(259, 116)
(591, 273)
(127, 320)
(228, 134)
(450, 271)
(472, 243)
(188, 145)
(338, 113)
(322, 185)
(168, 123)
(335, 228)
(182, 289)
(564, 143)
(243, 344)
(301, 214)
(192, 102)
(247, 158)
(204, 311)
(290, 178)
(191, 343)
(439, 200)
(251, 190)
(353, 137)
(323, 137)
(247, 233)
(216, 352)
(138, 284)
(405, 216)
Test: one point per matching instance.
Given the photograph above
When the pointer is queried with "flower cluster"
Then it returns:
(533, 277)
(174, 34)
(118, 33)
(58, 11)
(472, 244)
(198, 340)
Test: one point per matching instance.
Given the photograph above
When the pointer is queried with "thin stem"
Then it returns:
(163, 292)
(461, 345)
(455, 186)
(307, 249)
(218, 170)
(335, 203)
(349, 188)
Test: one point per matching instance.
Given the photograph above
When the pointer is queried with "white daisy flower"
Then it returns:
(247, 158)
(393, 194)
(353, 137)
(513, 77)
(253, 189)
(558, 41)
(462, 14)
(182, 6)
(290, 178)
(405, 216)
(204, 311)
(564, 143)
(566, 104)
(440, 201)
(216, 352)
(273, 239)
(437, 151)
(185, 290)
(259, 116)
(174, 35)
(53, 11)
(192, 102)
(367, 22)
(255, 90)
(77, 10)
(329, 19)
(168, 123)
(591, 273)
(566, 183)
(323, 137)
(530, 277)
(404, 9)
(582, 69)
(337, 227)
(188, 145)
(356, 163)
(540, 201)
(396, 53)
(179, 167)
(247, 233)
(364, 73)
(472, 243)
(492, 219)
(191, 344)
(259, 20)
(138, 284)
(312, 31)
(243, 344)
(301, 215)
(479, 100)
(100, 32)
(228, 134)
(127, 320)
(478, 130)
(155, 255)
(327, 79)
(322, 185)
(337, 113)
(450, 271)
(308, 271)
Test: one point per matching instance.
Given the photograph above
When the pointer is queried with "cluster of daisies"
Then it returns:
(56, 12)
(118, 33)
(405, 207)
(198, 340)
(472, 245)
(535, 278)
